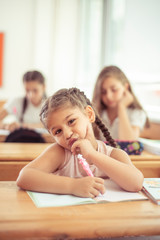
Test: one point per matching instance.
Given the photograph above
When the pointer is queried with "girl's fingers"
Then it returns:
(75, 150)
(100, 187)
(99, 180)
(94, 193)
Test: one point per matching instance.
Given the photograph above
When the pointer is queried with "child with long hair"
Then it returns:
(117, 105)
(26, 109)
(68, 116)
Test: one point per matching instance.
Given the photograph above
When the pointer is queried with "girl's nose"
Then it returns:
(109, 95)
(67, 133)
(30, 95)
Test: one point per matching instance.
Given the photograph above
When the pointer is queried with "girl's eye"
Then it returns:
(71, 121)
(103, 92)
(114, 90)
(57, 132)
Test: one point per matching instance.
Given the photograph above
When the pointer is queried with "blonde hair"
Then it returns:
(113, 71)
(75, 98)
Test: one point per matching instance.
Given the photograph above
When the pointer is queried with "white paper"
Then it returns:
(113, 194)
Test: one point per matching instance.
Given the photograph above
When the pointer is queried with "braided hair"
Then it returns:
(76, 98)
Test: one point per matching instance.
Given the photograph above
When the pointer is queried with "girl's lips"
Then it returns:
(110, 102)
(71, 141)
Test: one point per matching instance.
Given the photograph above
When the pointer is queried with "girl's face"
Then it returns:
(112, 92)
(34, 92)
(67, 125)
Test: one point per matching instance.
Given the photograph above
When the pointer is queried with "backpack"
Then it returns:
(25, 135)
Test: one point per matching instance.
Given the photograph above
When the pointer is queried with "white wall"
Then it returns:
(28, 27)
(16, 21)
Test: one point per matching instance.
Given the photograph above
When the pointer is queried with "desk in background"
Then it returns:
(14, 156)
(21, 219)
(148, 163)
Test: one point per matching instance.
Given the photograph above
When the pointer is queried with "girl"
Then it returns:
(68, 115)
(26, 109)
(117, 105)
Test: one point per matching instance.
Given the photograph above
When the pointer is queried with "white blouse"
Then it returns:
(137, 118)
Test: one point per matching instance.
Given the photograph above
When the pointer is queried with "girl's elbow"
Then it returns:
(20, 182)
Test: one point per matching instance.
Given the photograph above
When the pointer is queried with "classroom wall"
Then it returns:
(16, 18)
(27, 26)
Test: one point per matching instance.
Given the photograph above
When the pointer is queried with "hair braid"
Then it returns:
(105, 132)
(101, 125)
(24, 107)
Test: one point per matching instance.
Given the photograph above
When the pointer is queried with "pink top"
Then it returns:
(72, 168)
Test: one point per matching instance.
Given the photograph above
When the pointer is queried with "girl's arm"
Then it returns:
(16, 125)
(38, 176)
(126, 131)
(119, 168)
(3, 113)
(8, 126)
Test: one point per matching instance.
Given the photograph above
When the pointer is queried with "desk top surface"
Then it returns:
(21, 151)
(20, 218)
(29, 151)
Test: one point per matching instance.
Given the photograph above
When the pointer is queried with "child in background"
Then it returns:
(117, 105)
(68, 116)
(26, 109)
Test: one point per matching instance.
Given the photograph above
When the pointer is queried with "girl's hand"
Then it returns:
(85, 146)
(82, 146)
(88, 187)
(127, 99)
(12, 126)
(1, 125)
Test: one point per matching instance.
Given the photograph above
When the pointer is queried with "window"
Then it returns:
(133, 45)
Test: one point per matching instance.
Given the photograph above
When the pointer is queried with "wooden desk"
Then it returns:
(152, 132)
(14, 156)
(148, 163)
(21, 219)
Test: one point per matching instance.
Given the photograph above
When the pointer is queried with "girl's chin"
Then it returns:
(35, 103)
(112, 105)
